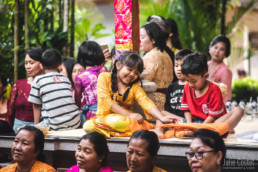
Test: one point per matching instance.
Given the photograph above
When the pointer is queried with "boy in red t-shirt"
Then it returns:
(202, 100)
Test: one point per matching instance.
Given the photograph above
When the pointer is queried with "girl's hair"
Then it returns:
(129, 59)
(35, 53)
(213, 140)
(69, 63)
(38, 141)
(151, 138)
(225, 40)
(100, 144)
(90, 54)
(174, 29)
(155, 33)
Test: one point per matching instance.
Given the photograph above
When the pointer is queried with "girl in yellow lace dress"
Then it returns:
(117, 93)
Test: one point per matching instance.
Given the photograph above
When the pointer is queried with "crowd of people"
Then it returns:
(67, 94)
(206, 152)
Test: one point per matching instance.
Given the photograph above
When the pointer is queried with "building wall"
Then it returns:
(240, 44)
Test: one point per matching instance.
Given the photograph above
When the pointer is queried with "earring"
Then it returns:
(218, 163)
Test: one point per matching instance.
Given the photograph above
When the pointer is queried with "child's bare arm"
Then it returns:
(188, 116)
(120, 110)
(209, 119)
(178, 118)
(36, 111)
(162, 117)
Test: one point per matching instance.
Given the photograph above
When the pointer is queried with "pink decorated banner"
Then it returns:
(123, 24)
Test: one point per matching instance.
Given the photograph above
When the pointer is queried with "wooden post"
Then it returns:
(136, 25)
(223, 13)
(16, 39)
(72, 29)
(26, 23)
(126, 26)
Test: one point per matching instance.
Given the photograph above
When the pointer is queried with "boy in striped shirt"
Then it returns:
(51, 95)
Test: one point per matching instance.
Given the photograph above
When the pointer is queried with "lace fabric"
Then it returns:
(19, 107)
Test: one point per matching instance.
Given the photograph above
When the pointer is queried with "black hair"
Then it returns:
(183, 53)
(129, 59)
(174, 29)
(195, 64)
(69, 63)
(90, 54)
(35, 53)
(213, 140)
(100, 144)
(4, 83)
(3, 80)
(155, 33)
(225, 40)
(151, 138)
(160, 21)
(38, 140)
(113, 52)
(241, 71)
(51, 59)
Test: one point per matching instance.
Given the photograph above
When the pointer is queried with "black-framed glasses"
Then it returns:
(198, 155)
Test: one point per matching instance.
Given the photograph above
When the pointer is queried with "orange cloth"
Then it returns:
(115, 125)
(135, 126)
(179, 130)
(37, 167)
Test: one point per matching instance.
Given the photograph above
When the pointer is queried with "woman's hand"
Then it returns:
(136, 116)
(107, 54)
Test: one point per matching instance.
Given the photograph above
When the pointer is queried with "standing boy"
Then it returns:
(202, 100)
(51, 95)
(175, 90)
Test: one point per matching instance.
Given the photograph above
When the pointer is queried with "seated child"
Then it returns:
(117, 93)
(90, 56)
(51, 95)
(175, 90)
(202, 100)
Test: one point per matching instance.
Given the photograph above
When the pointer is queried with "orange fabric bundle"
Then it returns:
(135, 126)
(179, 130)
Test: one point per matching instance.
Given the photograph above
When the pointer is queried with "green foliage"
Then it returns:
(84, 29)
(56, 39)
(243, 89)
(6, 38)
(197, 19)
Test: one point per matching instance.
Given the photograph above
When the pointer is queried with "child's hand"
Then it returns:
(136, 116)
(168, 119)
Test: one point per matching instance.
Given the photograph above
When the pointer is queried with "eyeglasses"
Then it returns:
(198, 155)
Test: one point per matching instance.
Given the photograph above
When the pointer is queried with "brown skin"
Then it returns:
(138, 158)
(23, 150)
(209, 160)
(87, 158)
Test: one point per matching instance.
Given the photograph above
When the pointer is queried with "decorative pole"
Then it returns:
(127, 26)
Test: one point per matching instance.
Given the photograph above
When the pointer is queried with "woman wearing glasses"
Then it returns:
(206, 152)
